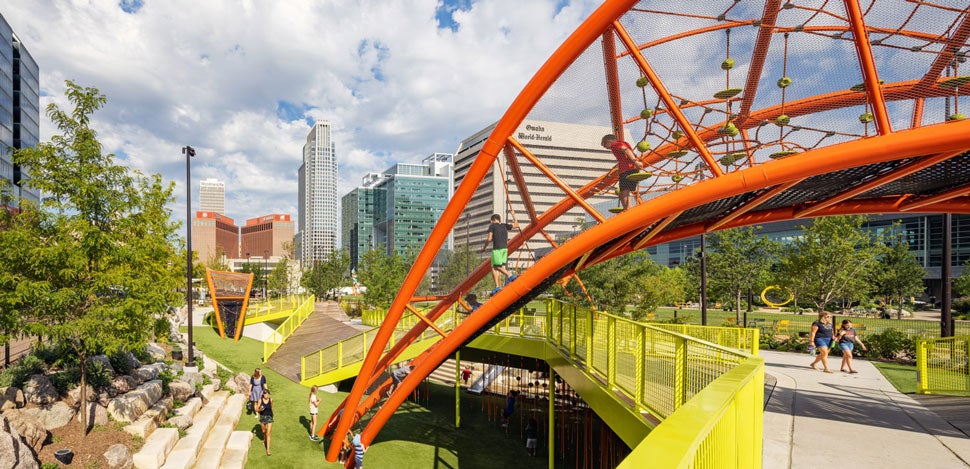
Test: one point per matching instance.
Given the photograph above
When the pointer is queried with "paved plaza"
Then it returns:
(815, 419)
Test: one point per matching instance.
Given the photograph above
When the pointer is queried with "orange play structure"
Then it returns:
(742, 112)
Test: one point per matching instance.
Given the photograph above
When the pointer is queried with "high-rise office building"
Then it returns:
(214, 235)
(397, 209)
(266, 236)
(19, 111)
(212, 196)
(357, 218)
(318, 218)
(574, 154)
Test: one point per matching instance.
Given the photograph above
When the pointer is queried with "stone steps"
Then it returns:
(210, 442)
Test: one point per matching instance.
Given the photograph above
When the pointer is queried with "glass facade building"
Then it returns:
(318, 217)
(19, 111)
(397, 209)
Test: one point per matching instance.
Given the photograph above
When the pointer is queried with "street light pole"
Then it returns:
(189, 152)
(265, 275)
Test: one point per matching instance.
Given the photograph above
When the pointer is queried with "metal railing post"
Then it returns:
(611, 351)
(680, 372)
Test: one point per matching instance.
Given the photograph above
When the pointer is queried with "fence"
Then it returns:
(942, 366)
(274, 340)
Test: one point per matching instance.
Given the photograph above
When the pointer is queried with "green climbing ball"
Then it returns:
(677, 177)
(866, 117)
(782, 119)
(729, 129)
(784, 82)
(642, 82)
(677, 135)
(643, 145)
(956, 117)
(728, 64)
(646, 113)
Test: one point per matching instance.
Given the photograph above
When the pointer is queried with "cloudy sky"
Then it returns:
(243, 80)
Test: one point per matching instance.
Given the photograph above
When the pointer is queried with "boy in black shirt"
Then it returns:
(498, 235)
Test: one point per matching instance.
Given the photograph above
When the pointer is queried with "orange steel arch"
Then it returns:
(864, 135)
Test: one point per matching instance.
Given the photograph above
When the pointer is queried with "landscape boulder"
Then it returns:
(73, 397)
(118, 457)
(104, 361)
(181, 390)
(11, 397)
(14, 452)
(30, 428)
(97, 414)
(155, 351)
(39, 390)
(54, 416)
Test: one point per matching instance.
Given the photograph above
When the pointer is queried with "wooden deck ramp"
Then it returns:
(325, 326)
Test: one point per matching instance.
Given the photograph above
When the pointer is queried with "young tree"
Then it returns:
(382, 275)
(616, 283)
(739, 261)
(458, 265)
(961, 284)
(899, 273)
(830, 259)
(98, 259)
(279, 278)
(666, 286)
(327, 275)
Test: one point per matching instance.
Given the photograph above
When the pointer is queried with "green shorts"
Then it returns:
(500, 257)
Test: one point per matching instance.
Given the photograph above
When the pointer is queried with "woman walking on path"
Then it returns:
(314, 402)
(265, 409)
(257, 385)
(821, 339)
(847, 339)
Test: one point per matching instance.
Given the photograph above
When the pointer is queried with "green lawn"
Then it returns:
(420, 435)
(903, 377)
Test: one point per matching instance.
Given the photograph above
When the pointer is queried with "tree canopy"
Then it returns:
(97, 260)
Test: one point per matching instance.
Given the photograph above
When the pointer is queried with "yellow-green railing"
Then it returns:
(720, 427)
(352, 350)
(942, 366)
(267, 308)
(272, 342)
(713, 393)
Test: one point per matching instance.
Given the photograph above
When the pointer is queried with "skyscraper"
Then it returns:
(19, 110)
(572, 150)
(318, 196)
(212, 196)
(396, 210)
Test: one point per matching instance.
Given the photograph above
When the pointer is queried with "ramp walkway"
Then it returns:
(323, 327)
(814, 419)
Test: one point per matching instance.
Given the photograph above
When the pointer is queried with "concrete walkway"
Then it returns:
(815, 419)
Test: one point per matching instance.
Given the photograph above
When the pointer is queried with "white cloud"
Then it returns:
(212, 74)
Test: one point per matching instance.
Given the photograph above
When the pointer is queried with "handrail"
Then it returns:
(273, 342)
(264, 308)
(942, 366)
(712, 391)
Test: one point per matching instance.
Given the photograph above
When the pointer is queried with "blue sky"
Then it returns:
(242, 81)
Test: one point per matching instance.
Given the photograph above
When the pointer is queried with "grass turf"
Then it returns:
(903, 377)
(420, 435)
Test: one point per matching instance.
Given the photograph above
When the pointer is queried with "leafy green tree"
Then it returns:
(899, 273)
(830, 260)
(666, 286)
(738, 261)
(97, 261)
(382, 275)
(327, 275)
(279, 278)
(457, 266)
(616, 283)
(961, 284)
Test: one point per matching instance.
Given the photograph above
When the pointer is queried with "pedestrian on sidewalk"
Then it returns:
(265, 409)
(821, 338)
(847, 339)
(314, 402)
(257, 385)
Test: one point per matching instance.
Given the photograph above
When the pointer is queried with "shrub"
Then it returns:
(889, 344)
(18, 373)
(161, 326)
(56, 354)
(167, 375)
(961, 307)
(120, 362)
(767, 342)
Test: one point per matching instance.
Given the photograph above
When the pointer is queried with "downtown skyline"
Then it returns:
(242, 82)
